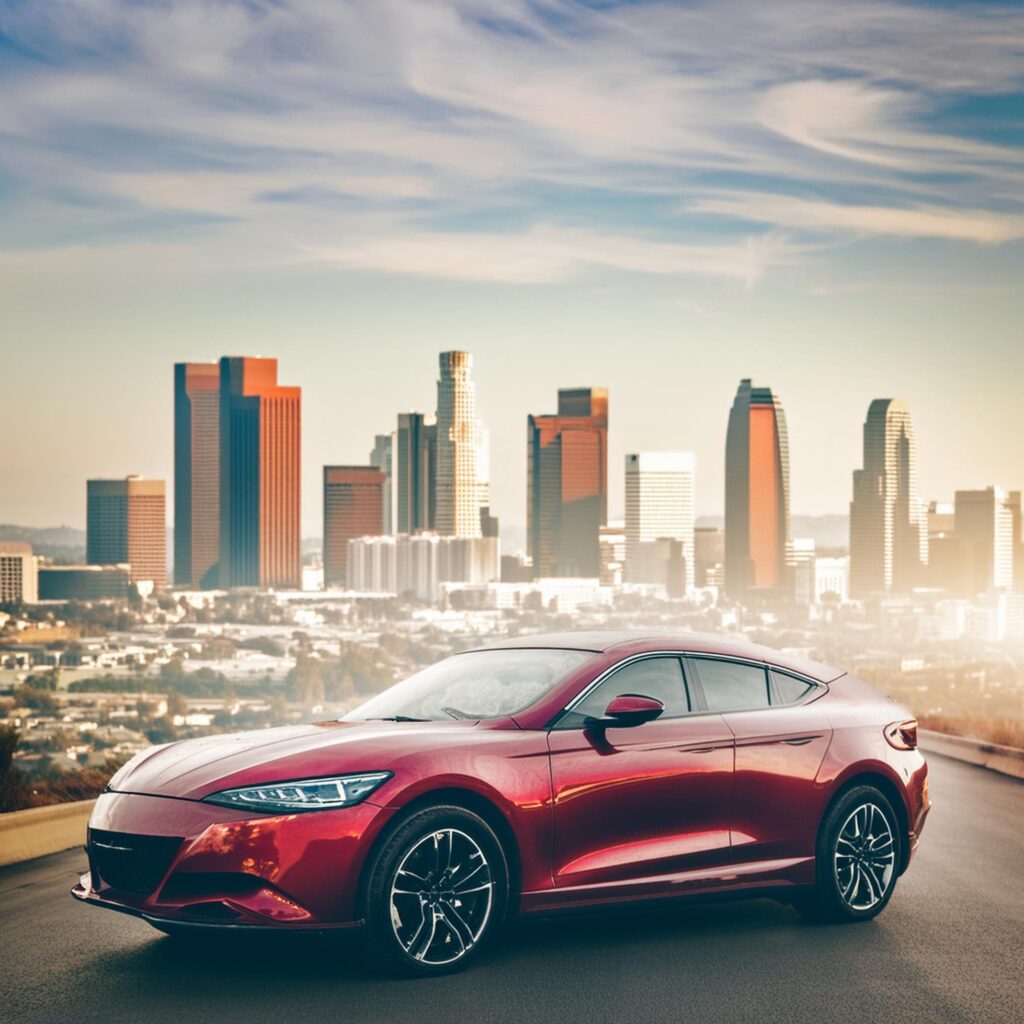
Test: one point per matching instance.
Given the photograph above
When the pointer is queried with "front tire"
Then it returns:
(437, 892)
(857, 858)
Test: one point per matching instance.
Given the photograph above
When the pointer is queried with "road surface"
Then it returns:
(950, 947)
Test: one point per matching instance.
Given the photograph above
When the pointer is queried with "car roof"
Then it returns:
(638, 641)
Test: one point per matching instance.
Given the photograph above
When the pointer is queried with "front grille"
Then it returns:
(130, 863)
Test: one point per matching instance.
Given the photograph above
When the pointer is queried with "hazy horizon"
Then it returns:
(660, 199)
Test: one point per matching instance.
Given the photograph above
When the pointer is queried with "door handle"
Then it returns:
(800, 741)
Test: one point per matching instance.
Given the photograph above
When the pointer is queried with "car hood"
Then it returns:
(193, 769)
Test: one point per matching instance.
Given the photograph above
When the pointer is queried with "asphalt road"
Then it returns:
(950, 947)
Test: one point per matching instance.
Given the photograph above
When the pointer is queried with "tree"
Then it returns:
(38, 700)
(48, 680)
(13, 785)
(279, 709)
(218, 649)
(176, 705)
(172, 673)
(305, 680)
(162, 731)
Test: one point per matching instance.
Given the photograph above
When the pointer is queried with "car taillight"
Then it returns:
(902, 735)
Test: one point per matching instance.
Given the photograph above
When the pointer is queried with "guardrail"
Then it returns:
(1007, 760)
(38, 831)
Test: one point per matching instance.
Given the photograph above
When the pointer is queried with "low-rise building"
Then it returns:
(18, 573)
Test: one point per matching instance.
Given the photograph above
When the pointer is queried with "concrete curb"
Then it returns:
(25, 835)
(994, 756)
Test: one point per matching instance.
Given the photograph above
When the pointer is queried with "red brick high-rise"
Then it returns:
(260, 446)
(126, 521)
(353, 507)
(196, 474)
(567, 484)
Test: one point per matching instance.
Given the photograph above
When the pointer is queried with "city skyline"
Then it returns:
(706, 506)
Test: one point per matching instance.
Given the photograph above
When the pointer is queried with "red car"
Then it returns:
(537, 774)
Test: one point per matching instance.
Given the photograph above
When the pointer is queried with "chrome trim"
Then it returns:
(593, 684)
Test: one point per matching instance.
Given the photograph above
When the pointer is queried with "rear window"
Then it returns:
(788, 689)
(730, 685)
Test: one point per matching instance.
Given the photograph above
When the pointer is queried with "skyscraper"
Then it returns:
(353, 507)
(382, 457)
(757, 544)
(985, 523)
(461, 480)
(1014, 501)
(126, 522)
(567, 484)
(888, 521)
(196, 474)
(260, 444)
(415, 464)
(659, 506)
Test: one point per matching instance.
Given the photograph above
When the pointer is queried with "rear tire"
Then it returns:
(857, 859)
(437, 893)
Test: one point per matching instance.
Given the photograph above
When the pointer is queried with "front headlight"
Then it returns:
(304, 795)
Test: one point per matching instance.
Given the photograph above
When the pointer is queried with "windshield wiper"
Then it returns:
(397, 718)
(462, 716)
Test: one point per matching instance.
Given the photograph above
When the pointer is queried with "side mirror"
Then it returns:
(629, 709)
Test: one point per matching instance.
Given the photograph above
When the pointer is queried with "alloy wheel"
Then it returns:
(865, 857)
(441, 897)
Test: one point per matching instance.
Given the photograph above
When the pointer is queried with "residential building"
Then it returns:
(18, 573)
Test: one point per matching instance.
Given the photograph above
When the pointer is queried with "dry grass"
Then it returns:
(1006, 731)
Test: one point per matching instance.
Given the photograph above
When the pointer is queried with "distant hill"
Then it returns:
(831, 531)
(64, 544)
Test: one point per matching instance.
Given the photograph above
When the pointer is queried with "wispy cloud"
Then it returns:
(335, 128)
(545, 254)
(918, 222)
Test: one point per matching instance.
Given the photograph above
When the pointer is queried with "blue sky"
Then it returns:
(660, 197)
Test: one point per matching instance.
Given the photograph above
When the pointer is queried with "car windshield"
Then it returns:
(475, 685)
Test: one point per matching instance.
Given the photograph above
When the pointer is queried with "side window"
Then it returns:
(660, 678)
(787, 689)
(730, 685)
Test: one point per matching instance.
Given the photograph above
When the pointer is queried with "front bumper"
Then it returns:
(230, 869)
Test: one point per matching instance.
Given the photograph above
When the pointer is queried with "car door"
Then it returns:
(781, 739)
(643, 801)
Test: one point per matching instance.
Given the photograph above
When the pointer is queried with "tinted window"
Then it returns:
(660, 678)
(730, 685)
(788, 689)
